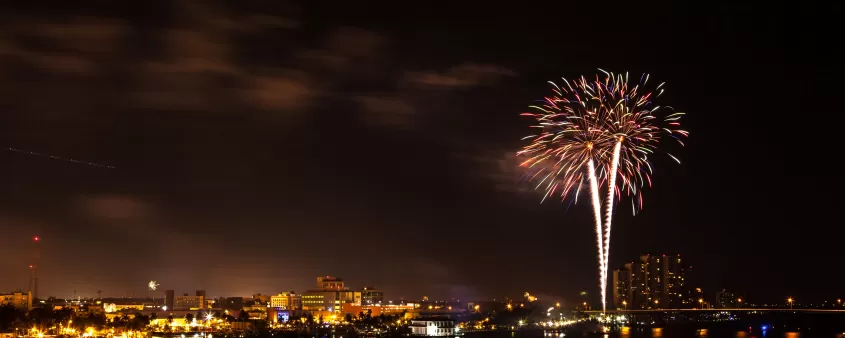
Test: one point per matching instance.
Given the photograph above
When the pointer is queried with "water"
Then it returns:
(664, 332)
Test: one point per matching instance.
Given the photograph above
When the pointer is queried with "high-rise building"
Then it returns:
(622, 291)
(371, 295)
(330, 295)
(168, 299)
(674, 282)
(655, 282)
(286, 301)
(729, 299)
(329, 300)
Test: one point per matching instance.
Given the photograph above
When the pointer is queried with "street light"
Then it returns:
(208, 317)
(701, 303)
(739, 302)
(625, 304)
(790, 300)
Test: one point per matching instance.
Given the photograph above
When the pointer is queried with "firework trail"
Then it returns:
(611, 187)
(59, 158)
(598, 130)
(594, 193)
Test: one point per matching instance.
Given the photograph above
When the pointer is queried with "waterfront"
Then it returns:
(679, 331)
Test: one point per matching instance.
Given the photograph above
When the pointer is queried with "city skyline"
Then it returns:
(241, 148)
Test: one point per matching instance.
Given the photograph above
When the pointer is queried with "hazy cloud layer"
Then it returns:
(463, 75)
(207, 111)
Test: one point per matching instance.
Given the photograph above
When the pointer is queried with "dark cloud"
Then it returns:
(463, 75)
(280, 92)
(386, 111)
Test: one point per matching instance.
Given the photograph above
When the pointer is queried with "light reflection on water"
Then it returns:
(658, 332)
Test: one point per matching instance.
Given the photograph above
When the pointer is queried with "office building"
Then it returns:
(370, 296)
(329, 300)
(286, 301)
(184, 302)
(329, 282)
(330, 295)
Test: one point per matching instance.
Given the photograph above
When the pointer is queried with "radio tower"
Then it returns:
(33, 277)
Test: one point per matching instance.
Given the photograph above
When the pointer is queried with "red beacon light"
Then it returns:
(35, 238)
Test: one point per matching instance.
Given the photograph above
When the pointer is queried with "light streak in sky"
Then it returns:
(59, 158)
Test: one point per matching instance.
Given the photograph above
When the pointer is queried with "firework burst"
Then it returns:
(588, 133)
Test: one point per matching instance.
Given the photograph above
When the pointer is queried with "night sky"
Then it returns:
(257, 144)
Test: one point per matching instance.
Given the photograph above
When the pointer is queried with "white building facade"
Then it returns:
(433, 327)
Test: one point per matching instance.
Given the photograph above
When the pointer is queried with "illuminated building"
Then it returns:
(410, 309)
(329, 300)
(370, 295)
(116, 307)
(622, 290)
(329, 282)
(433, 327)
(286, 301)
(330, 295)
(655, 282)
(728, 299)
(18, 299)
(184, 302)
